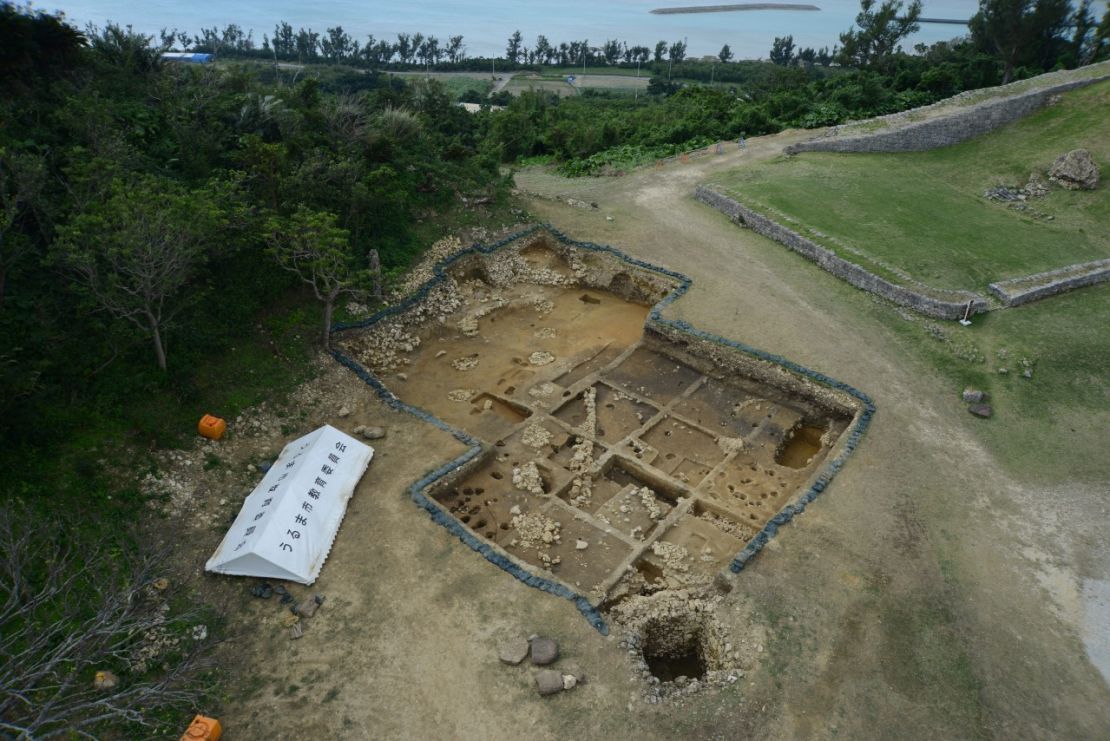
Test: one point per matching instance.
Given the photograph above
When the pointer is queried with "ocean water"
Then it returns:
(486, 25)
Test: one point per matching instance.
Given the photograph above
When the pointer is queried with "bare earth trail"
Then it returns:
(926, 594)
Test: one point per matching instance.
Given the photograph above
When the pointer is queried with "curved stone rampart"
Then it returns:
(955, 308)
(958, 126)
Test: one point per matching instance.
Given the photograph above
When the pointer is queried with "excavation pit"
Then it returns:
(673, 648)
(618, 455)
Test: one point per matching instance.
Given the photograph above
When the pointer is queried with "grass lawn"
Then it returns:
(924, 213)
(1060, 410)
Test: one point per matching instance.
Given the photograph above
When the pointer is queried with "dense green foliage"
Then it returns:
(141, 285)
(587, 134)
(135, 197)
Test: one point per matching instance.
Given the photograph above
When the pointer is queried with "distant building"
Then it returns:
(188, 57)
(475, 107)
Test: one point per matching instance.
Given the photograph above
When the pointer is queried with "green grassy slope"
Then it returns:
(924, 213)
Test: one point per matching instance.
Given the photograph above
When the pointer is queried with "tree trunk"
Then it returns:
(376, 274)
(329, 306)
(159, 349)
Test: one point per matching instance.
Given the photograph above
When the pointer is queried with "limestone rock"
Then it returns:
(549, 682)
(370, 433)
(512, 651)
(575, 670)
(974, 396)
(344, 412)
(105, 680)
(981, 410)
(1075, 170)
(569, 681)
(544, 651)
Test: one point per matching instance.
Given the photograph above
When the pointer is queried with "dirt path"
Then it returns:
(925, 595)
(501, 83)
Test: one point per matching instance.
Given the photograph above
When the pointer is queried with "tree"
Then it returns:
(311, 245)
(22, 177)
(70, 610)
(611, 50)
(456, 50)
(544, 50)
(1100, 47)
(336, 46)
(134, 252)
(515, 47)
(404, 47)
(677, 51)
(414, 49)
(284, 41)
(878, 33)
(1021, 33)
(1083, 23)
(660, 50)
(782, 50)
(306, 43)
(725, 54)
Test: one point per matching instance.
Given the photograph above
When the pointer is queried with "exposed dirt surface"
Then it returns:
(926, 594)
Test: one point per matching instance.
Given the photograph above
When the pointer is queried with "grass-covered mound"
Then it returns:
(924, 213)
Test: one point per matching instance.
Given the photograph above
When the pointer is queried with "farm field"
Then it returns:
(557, 83)
(924, 214)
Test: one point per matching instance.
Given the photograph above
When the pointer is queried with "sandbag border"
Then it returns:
(474, 446)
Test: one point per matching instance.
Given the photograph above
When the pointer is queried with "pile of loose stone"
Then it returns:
(544, 652)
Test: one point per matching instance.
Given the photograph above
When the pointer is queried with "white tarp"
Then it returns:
(288, 523)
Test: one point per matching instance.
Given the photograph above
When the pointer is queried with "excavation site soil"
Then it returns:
(926, 593)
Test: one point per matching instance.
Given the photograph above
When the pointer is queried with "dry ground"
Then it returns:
(926, 594)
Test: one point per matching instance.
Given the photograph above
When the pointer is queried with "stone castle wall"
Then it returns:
(953, 308)
(954, 128)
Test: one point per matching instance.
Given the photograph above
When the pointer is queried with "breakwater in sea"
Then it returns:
(732, 8)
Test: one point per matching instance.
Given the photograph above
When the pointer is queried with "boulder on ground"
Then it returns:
(512, 651)
(1075, 170)
(370, 432)
(974, 396)
(981, 410)
(544, 651)
(549, 682)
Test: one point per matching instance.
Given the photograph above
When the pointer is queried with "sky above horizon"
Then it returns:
(486, 25)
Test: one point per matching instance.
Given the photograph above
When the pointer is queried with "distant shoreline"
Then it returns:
(731, 8)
